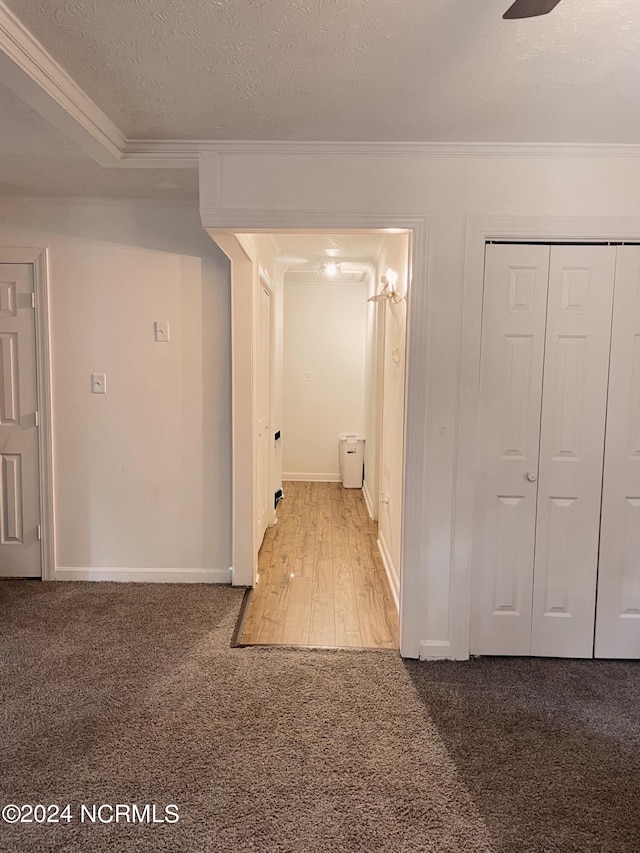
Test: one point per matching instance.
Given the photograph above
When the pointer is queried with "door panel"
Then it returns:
(511, 368)
(574, 405)
(618, 612)
(19, 468)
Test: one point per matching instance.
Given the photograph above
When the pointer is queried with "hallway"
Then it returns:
(321, 581)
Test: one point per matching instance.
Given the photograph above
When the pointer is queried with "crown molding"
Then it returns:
(140, 149)
(31, 73)
(159, 153)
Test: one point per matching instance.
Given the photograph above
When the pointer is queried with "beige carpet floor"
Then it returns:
(130, 694)
(548, 749)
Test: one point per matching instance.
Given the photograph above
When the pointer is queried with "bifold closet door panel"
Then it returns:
(618, 611)
(511, 366)
(574, 401)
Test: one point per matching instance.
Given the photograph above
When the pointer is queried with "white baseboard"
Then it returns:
(143, 575)
(368, 501)
(436, 650)
(312, 478)
(390, 569)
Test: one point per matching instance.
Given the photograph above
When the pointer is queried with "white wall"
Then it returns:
(372, 395)
(394, 254)
(447, 190)
(324, 335)
(142, 474)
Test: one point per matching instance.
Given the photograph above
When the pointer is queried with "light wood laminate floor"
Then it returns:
(321, 581)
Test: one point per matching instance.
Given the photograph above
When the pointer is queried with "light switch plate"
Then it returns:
(98, 383)
(162, 331)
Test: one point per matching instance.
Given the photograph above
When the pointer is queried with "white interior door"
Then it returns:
(511, 368)
(618, 612)
(19, 475)
(543, 398)
(574, 404)
(264, 397)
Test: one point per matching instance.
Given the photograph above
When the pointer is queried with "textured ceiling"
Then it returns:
(35, 159)
(416, 70)
(307, 251)
(316, 277)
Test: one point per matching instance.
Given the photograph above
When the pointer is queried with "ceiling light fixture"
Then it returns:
(330, 269)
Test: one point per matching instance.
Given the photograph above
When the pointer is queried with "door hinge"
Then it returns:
(39, 532)
(37, 413)
(33, 300)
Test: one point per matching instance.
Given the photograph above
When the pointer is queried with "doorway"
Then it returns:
(328, 571)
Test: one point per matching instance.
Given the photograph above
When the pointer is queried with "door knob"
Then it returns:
(532, 476)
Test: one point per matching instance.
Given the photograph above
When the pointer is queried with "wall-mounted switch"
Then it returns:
(308, 376)
(98, 383)
(162, 331)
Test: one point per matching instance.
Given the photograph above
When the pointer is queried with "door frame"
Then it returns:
(265, 281)
(38, 259)
(372, 495)
(227, 229)
(479, 231)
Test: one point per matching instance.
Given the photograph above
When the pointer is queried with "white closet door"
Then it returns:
(513, 332)
(618, 612)
(574, 404)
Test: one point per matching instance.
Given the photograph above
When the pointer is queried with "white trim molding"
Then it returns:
(436, 650)
(265, 279)
(311, 478)
(244, 473)
(122, 575)
(226, 227)
(32, 73)
(29, 70)
(390, 569)
(368, 501)
(192, 148)
(38, 259)
(45, 405)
